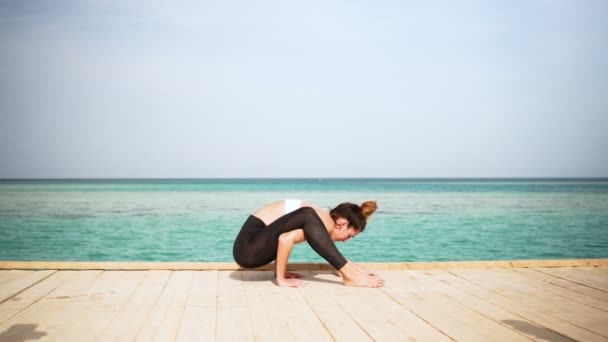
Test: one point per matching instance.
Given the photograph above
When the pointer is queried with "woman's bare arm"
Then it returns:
(286, 243)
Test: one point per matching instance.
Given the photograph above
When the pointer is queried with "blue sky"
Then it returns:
(303, 89)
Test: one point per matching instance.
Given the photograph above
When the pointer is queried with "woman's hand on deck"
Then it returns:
(352, 275)
(290, 282)
(365, 270)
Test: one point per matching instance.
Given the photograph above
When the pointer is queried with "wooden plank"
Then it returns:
(522, 309)
(162, 324)
(130, 317)
(593, 274)
(570, 311)
(78, 305)
(377, 314)
(583, 276)
(118, 265)
(26, 298)
(454, 319)
(548, 291)
(539, 273)
(13, 286)
(267, 307)
(601, 270)
(233, 320)
(294, 311)
(337, 321)
(46, 317)
(84, 321)
(533, 281)
(8, 275)
(437, 288)
(114, 265)
(199, 320)
(172, 319)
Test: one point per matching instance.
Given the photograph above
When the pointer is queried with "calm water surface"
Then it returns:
(197, 220)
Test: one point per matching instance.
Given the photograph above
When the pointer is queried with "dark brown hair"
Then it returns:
(357, 216)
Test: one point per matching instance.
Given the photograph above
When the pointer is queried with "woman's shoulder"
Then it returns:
(323, 214)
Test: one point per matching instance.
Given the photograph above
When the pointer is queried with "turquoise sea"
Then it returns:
(198, 219)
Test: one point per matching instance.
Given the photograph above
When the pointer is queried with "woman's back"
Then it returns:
(273, 211)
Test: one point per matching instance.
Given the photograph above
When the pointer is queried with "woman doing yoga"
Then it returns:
(272, 231)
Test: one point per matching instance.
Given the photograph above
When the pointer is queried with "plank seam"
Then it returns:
(90, 313)
(61, 329)
(354, 320)
(572, 281)
(465, 304)
(36, 301)
(25, 288)
(317, 316)
(449, 297)
(83, 286)
(153, 306)
(217, 295)
(249, 312)
(563, 296)
(415, 314)
(181, 318)
(502, 308)
(567, 288)
(346, 312)
(525, 304)
(117, 312)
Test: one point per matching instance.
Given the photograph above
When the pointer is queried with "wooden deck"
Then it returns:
(433, 304)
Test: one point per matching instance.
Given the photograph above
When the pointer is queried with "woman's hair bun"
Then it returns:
(368, 208)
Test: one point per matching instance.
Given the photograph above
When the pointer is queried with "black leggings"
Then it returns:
(256, 244)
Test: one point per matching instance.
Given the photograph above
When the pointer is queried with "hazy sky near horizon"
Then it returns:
(103, 89)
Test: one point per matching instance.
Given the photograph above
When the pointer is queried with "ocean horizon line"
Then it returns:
(316, 179)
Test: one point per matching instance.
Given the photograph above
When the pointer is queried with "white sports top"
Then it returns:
(292, 204)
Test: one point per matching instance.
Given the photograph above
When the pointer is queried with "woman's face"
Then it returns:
(342, 231)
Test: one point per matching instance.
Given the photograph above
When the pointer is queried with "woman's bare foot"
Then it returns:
(290, 282)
